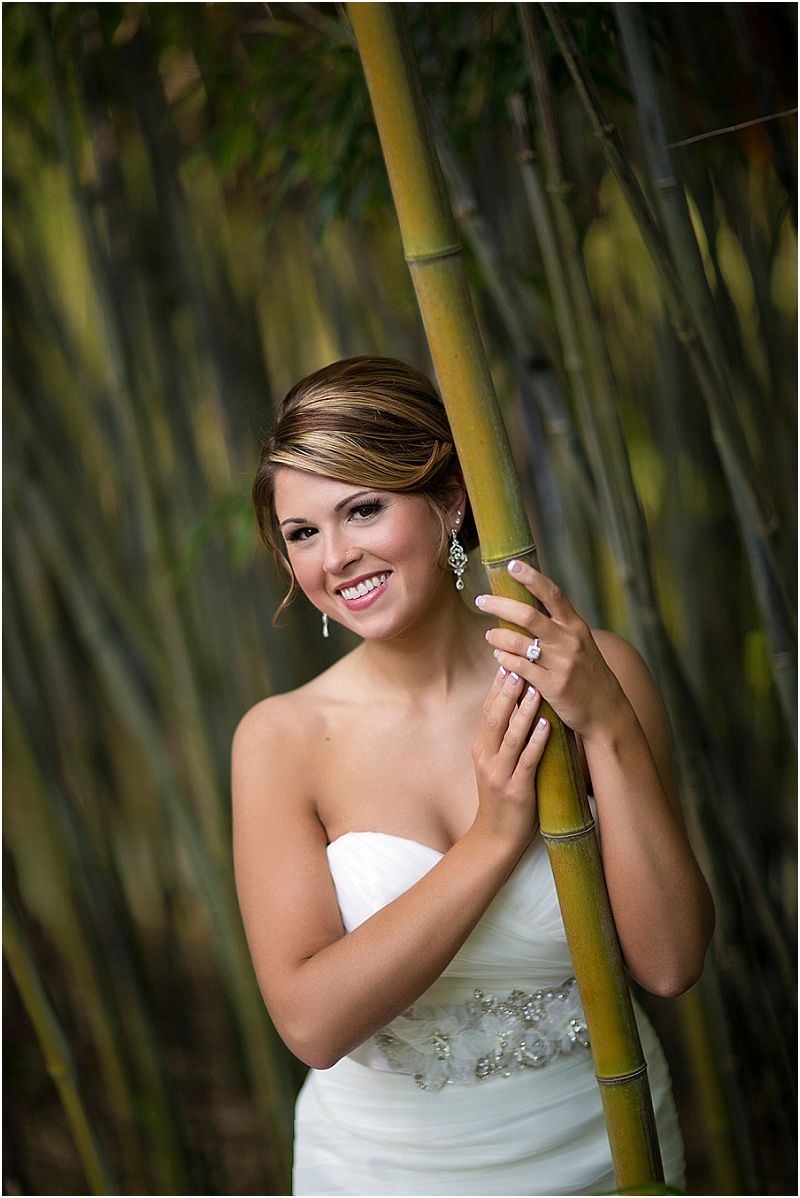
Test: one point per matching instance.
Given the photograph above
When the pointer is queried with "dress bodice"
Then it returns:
(519, 942)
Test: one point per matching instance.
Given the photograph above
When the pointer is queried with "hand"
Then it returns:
(570, 671)
(506, 753)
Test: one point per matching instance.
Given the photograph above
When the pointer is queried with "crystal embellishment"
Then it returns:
(487, 1037)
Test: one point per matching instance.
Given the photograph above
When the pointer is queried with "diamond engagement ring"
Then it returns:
(534, 651)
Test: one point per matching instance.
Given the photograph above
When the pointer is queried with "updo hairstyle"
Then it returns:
(373, 422)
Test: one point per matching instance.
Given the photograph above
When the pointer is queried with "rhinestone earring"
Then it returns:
(457, 558)
(325, 632)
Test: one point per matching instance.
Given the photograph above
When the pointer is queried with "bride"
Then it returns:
(396, 894)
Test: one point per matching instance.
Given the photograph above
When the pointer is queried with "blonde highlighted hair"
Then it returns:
(373, 422)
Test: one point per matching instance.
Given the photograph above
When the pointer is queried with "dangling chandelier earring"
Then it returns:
(325, 632)
(457, 558)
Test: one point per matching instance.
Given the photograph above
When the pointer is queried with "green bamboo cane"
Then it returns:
(677, 223)
(560, 545)
(756, 521)
(266, 1057)
(434, 256)
(54, 1045)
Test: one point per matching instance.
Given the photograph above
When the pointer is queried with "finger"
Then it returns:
(519, 726)
(531, 755)
(532, 674)
(497, 709)
(519, 644)
(540, 586)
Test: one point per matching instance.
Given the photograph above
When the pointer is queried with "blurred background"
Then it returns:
(196, 214)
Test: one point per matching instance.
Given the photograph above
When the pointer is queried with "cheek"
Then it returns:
(304, 569)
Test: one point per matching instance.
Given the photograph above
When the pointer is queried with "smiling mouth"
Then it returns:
(360, 589)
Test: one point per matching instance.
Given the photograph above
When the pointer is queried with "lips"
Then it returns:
(360, 592)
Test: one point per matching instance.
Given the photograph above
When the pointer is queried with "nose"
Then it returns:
(338, 554)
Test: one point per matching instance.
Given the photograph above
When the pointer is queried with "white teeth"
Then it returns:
(363, 588)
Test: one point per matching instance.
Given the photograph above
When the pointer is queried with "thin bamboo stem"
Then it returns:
(674, 210)
(57, 1054)
(212, 882)
(434, 257)
(615, 487)
(756, 521)
(576, 489)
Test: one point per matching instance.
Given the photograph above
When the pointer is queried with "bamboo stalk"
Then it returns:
(57, 1054)
(434, 257)
(622, 515)
(756, 521)
(609, 463)
(575, 483)
(674, 210)
(211, 876)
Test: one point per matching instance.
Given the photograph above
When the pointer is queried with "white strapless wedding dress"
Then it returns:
(486, 1094)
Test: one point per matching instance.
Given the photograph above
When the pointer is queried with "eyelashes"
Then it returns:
(365, 510)
(300, 534)
(359, 512)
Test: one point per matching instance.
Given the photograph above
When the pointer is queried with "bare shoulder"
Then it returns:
(630, 669)
(619, 653)
(273, 744)
(268, 760)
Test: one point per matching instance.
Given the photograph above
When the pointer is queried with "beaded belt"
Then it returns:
(461, 1045)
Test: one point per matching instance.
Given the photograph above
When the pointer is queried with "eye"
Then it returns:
(363, 511)
(300, 534)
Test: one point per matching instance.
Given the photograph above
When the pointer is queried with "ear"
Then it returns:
(456, 499)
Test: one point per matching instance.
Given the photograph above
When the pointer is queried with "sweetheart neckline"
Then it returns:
(390, 836)
(406, 839)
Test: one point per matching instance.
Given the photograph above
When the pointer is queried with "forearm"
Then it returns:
(348, 990)
(660, 901)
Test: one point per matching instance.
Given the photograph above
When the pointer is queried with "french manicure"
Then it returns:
(514, 567)
(501, 673)
(530, 693)
(513, 679)
(480, 601)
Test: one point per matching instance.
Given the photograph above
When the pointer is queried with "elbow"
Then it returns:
(675, 982)
(315, 1054)
(310, 1043)
(679, 965)
(677, 972)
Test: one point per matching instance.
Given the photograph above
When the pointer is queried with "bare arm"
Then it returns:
(327, 992)
(602, 689)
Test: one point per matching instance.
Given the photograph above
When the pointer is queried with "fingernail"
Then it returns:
(480, 601)
(514, 567)
(542, 722)
(530, 693)
(513, 679)
(501, 673)
(495, 652)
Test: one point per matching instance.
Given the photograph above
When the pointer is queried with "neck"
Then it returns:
(433, 657)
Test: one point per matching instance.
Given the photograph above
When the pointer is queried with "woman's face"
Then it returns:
(370, 559)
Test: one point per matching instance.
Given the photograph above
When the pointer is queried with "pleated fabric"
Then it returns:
(362, 1129)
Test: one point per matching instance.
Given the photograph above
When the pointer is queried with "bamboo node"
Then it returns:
(496, 562)
(666, 184)
(623, 1078)
(447, 252)
(563, 837)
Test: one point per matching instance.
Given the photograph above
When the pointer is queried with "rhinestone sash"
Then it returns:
(488, 1036)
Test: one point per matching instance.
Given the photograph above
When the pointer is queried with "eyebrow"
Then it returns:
(342, 503)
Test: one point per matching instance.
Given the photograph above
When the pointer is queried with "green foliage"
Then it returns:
(196, 213)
